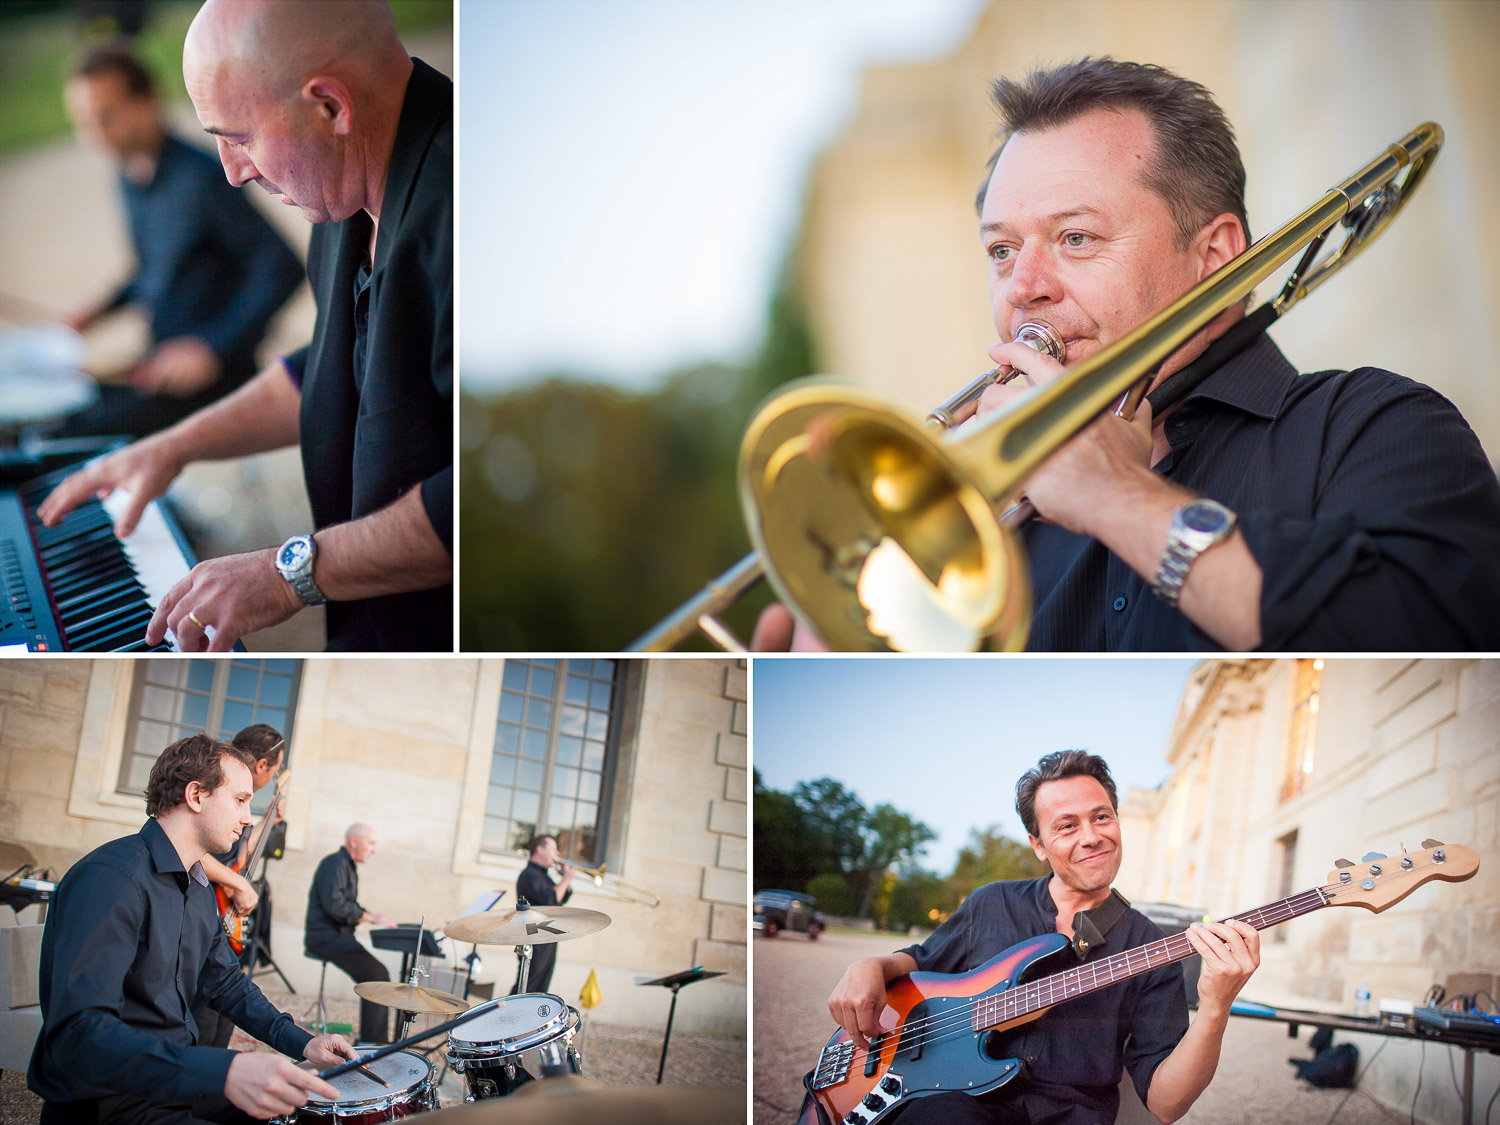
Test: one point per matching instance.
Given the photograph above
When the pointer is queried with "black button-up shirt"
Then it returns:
(1076, 1050)
(1364, 496)
(537, 887)
(333, 908)
(208, 264)
(131, 939)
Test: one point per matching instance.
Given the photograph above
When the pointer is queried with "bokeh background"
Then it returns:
(63, 242)
(699, 202)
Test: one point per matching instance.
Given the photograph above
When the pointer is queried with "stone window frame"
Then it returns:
(469, 856)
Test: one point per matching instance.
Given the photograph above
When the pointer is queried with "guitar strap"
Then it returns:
(1091, 926)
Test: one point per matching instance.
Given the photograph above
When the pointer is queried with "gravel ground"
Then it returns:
(793, 977)
(616, 1056)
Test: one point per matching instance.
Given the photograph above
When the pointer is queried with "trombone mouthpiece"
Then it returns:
(1035, 334)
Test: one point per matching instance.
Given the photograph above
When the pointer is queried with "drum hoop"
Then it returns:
(563, 1023)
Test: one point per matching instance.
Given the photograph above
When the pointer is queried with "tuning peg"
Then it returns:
(1371, 857)
(1430, 843)
(1343, 863)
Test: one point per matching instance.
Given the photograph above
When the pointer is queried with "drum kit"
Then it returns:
(516, 1053)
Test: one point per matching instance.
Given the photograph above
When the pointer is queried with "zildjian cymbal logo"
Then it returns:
(534, 928)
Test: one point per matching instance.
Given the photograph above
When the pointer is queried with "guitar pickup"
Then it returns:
(833, 1065)
(872, 1057)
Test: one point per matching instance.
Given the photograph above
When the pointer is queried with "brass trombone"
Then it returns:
(616, 886)
(883, 535)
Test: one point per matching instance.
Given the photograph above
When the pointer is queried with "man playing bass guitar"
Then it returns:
(228, 871)
(1075, 1054)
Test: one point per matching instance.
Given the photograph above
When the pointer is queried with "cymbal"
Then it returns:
(411, 998)
(534, 925)
(583, 1099)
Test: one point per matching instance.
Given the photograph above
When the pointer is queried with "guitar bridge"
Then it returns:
(833, 1065)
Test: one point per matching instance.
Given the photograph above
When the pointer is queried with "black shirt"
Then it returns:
(208, 264)
(537, 887)
(333, 908)
(1077, 1049)
(1364, 496)
(130, 940)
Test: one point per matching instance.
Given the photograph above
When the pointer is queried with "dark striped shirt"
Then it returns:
(1364, 496)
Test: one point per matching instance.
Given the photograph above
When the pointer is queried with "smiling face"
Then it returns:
(1075, 238)
(1080, 833)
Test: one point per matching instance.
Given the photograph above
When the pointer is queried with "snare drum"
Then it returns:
(363, 1102)
(493, 1051)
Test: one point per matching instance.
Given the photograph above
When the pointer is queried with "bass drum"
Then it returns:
(504, 1049)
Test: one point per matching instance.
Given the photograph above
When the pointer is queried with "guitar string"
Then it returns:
(960, 1019)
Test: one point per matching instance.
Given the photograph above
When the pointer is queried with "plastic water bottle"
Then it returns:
(1362, 998)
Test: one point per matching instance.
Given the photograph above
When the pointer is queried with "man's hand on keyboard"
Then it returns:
(145, 469)
(222, 600)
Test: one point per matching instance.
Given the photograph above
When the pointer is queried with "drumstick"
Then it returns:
(436, 1029)
(368, 1073)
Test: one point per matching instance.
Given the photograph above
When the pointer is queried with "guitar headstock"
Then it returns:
(1377, 881)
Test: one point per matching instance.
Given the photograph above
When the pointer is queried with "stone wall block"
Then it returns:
(730, 887)
(721, 955)
(736, 786)
(728, 924)
(1398, 767)
(22, 685)
(737, 683)
(40, 774)
(732, 853)
(733, 750)
(728, 818)
(1421, 714)
(1405, 687)
(740, 722)
(1411, 804)
(41, 730)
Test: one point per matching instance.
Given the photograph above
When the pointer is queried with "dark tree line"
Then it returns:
(820, 838)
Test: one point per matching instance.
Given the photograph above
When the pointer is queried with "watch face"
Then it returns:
(293, 554)
(1205, 517)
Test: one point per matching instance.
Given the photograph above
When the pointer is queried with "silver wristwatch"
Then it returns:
(295, 561)
(1196, 526)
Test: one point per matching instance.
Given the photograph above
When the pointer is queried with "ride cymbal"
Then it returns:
(527, 925)
(411, 998)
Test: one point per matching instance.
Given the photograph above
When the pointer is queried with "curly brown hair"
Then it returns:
(195, 758)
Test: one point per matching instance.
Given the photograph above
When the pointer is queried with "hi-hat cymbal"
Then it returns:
(411, 998)
(573, 1098)
(533, 925)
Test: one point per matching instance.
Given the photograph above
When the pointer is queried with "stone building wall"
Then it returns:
(405, 746)
(1404, 750)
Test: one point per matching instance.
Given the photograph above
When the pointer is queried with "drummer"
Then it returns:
(132, 936)
(537, 888)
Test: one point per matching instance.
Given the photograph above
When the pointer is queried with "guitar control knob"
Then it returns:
(871, 1101)
(890, 1085)
(852, 1118)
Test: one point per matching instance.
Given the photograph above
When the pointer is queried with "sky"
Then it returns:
(634, 218)
(945, 740)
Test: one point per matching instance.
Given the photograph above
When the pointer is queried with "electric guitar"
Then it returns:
(236, 925)
(946, 1031)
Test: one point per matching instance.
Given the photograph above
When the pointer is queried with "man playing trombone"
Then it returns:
(537, 888)
(1261, 510)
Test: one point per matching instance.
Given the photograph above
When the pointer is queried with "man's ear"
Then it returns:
(194, 796)
(331, 102)
(1220, 241)
(1036, 846)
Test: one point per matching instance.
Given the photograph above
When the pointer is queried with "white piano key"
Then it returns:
(151, 548)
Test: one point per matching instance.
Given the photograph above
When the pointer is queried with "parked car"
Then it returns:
(787, 910)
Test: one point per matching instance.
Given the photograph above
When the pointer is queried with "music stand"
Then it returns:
(676, 981)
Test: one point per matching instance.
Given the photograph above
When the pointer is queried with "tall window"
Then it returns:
(172, 699)
(1307, 676)
(1287, 845)
(554, 742)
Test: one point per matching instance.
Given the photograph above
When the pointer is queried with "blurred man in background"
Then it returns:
(333, 910)
(210, 271)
